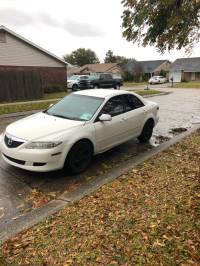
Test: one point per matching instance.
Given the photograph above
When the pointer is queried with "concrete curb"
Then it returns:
(32, 218)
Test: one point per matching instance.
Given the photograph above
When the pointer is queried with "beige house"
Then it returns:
(113, 68)
(20, 54)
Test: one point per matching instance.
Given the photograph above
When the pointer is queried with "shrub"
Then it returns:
(51, 88)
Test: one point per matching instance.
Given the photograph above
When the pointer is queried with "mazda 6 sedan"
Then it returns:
(77, 127)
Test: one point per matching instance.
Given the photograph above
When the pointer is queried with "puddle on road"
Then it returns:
(178, 130)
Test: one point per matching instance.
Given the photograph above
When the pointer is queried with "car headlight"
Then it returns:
(43, 145)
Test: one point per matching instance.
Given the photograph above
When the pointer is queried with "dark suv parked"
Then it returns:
(105, 80)
(84, 82)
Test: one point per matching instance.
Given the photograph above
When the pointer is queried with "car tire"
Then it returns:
(117, 87)
(147, 131)
(79, 157)
(75, 87)
(95, 86)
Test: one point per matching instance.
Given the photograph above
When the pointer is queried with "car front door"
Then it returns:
(111, 133)
(109, 81)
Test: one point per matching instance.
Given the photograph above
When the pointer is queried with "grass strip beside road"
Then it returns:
(29, 106)
(133, 84)
(148, 216)
(55, 95)
(147, 92)
(24, 107)
(188, 85)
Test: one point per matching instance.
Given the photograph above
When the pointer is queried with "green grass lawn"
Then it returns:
(28, 106)
(195, 85)
(147, 92)
(55, 95)
(15, 108)
(148, 216)
(133, 84)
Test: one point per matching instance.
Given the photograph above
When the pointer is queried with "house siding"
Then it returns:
(187, 76)
(15, 52)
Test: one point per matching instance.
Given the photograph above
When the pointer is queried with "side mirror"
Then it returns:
(105, 117)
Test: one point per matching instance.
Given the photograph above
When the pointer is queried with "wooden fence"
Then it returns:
(20, 85)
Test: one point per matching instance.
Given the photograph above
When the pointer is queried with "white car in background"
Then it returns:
(76, 82)
(157, 80)
(77, 127)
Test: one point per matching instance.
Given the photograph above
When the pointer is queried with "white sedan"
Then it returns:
(157, 80)
(77, 127)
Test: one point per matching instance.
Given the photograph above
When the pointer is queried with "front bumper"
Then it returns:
(33, 159)
(69, 85)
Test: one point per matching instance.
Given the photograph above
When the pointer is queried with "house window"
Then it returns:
(2, 37)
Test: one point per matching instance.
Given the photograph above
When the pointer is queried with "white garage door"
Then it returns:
(176, 76)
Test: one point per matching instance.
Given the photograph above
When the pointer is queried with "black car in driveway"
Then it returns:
(84, 82)
(106, 80)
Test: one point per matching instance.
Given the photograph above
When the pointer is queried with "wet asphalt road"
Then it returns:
(180, 109)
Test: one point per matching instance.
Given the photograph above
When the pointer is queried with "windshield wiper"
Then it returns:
(61, 116)
(66, 117)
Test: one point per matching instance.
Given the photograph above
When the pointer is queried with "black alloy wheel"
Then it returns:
(146, 132)
(79, 157)
(117, 87)
(75, 87)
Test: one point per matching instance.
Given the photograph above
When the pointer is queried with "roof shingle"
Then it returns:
(186, 64)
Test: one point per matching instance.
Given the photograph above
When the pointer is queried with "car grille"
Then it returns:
(12, 143)
(14, 160)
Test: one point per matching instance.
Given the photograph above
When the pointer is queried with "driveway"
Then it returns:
(18, 188)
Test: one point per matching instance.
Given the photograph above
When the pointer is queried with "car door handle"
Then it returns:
(123, 119)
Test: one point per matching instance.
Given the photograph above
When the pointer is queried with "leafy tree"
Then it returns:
(110, 58)
(122, 59)
(167, 24)
(82, 57)
(132, 71)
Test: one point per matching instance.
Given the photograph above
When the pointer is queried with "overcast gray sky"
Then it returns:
(64, 25)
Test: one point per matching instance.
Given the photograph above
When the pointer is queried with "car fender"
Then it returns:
(74, 138)
(148, 116)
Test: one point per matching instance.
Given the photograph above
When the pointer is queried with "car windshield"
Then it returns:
(84, 77)
(75, 77)
(76, 107)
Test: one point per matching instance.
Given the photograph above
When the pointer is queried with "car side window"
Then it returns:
(132, 102)
(103, 77)
(114, 106)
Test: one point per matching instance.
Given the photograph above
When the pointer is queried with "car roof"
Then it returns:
(101, 93)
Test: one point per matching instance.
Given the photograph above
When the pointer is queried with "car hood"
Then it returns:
(72, 80)
(40, 125)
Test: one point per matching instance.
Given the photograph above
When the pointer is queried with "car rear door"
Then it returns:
(111, 133)
(134, 116)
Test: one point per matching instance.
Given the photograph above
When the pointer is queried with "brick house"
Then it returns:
(20, 54)
(185, 69)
